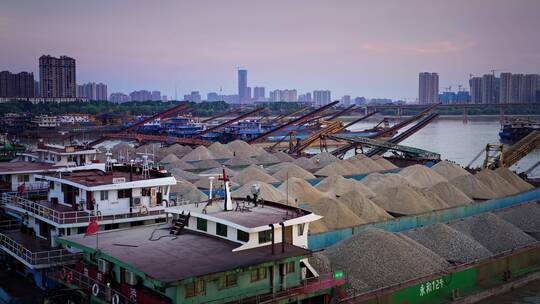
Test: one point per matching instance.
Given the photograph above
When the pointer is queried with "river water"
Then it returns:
(461, 141)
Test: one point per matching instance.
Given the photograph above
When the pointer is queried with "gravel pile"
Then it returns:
(496, 183)
(449, 243)
(187, 191)
(338, 185)
(324, 159)
(306, 163)
(266, 158)
(383, 162)
(356, 166)
(240, 161)
(450, 194)
(407, 200)
(179, 173)
(242, 149)
(378, 183)
(338, 167)
(219, 171)
(320, 262)
(379, 258)
(494, 233)
(275, 168)
(363, 207)
(513, 179)
(266, 192)
(284, 157)
(473, 187)
(300, 190)
(524, 216)
(421, 176)
(366, 162)
(178, 150)
(204, 183)
(335, 215)
(252, 174)
(292, 170)
(180, 165)
(220, 151)
(199, 153)
(449, 170)
(170, 158)
(206, 164)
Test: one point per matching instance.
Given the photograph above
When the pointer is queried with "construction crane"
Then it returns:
(228, 122)
(496, 70)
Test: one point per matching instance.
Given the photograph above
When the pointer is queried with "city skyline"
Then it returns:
(371, 55)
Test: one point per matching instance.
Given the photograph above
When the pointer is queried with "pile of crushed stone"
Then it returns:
(514, 179)
(524, 216)
(206, 164)
(473, 187)
(170, 158)
(179, 173)
(240, 148)
(266, 192)
(199, 153)
(335, 215)
(238, 161)
(220, 151)
(180, 165)
(266, 158)
(496, 183)
(363, 207)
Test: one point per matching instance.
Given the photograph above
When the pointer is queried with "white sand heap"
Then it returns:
(292, 170)
(496, 183)
(363, 207)
(383, 162)
(335, 215)
(220, 151)
(200, 153)
(355, 166)
(266, 192)
(513, 179)
(407, 200)
(378, 182)
(187, 191)
(171, 158)
(338, 185)
(180, 165)
(337, 167)
(421, 176)
(450, 194)
(266, 158)
(306, 163)
(122, 148)
(207, 164)
(252, 174)
(204, 183)
(240, 161)
(473, 187)
(449, 170)
(324, 159)
(300, 190)
(242, 149)
(284, 157)
(179, 173)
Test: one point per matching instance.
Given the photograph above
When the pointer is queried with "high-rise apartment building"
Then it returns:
(16, 85)
(57, 77)
(194, 96)
(517, 88)
(242, 86)
(259, 94)
(530, 86)
(505, 95)
(156, 96)
(490, 89)
(212, 96)
(476, 89)
(142, 95)
(321, 97)
(346, 100)
(119, 97)
(428, 88)
(92, 91)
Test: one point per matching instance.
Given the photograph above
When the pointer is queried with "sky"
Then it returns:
(361, 48)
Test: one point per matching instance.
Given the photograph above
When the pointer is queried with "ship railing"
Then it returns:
(38, 259)
(9, 225)
(71, 217)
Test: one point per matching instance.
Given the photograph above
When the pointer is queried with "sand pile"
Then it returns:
(514, 180)
(496, 183)
(180, 165)
(170, 158)
(200, 153)
(239, 161)
(178, 150)
(356, 166)
(379, 258)
(524, 216)
(242, 149)
(338, 185)
(284, 157)
(275, 168)
(323, 159)
(219, 171)
(473, 187)
(450, 194)
(300, 190)
(338, 167)
(449, 243)
(266, 192)
(306, 163)
(335, 215)
(383, 162)
(366, 162)
(187, 191)
(220, 151)
(378, 182)
(206, 164)
(421, 176)
(204, 183)
(266, 158)
(292, 170)
(449, 170)
(363, 207)
(252, 174)
(494, 233)
(179, 173)
(407, 200)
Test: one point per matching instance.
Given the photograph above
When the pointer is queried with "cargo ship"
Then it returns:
(517, 129)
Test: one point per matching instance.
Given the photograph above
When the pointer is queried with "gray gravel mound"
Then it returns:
(449, 243)
(525, 216)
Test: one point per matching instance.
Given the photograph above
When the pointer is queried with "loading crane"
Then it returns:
(228, 122)
(300, 120)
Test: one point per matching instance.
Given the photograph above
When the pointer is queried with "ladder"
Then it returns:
(179, 224)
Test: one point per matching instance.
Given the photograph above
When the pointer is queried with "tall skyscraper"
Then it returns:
(530, 86)
(489, 89)
(57, 77)
(259, 94)
(142, 95)
(242, 86)
(16, 85)
(517, 88)
(321, 97)
(505, 95)
(476, 89)
(428, 88)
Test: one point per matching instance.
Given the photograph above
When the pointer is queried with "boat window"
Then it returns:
(197, 288)
(242, 236)
(265, 236)
(258, 274)
(228, 281)
(221, 229)
(202, 224)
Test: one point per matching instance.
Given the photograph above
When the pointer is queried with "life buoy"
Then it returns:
(95, 289)
(144, 210)
(115, 299)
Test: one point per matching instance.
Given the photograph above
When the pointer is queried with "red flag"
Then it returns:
(92, 228)
(21, 189)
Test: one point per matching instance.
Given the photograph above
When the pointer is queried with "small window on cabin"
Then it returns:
(301, 228)
(124, 193)
(23, 178)
(258, 274)
(242, 236)
(202, 224)
(228, 281)
(81, 230)
(51, 185)
(103, 195)
(145, 191)
(289, 267)
(265, 236)
(221, 229)
(197, 288)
